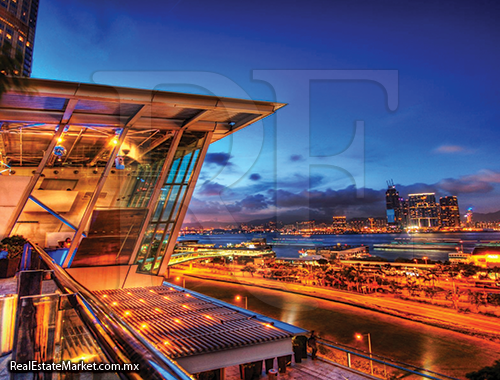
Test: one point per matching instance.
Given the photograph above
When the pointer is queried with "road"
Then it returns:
(475, 324)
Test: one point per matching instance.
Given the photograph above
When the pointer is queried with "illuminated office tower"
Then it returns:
(17, 28)
(339, 223)
(449, 213)
(423, 210)
(393, 205)
(469, 218)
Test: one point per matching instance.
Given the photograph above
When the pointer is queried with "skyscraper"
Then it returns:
(423, 210)
(393, 205)
(17, 28)
(450, 215)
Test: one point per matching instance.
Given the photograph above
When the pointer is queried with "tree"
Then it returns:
(249, 268)
(486, 373)
(322, 261)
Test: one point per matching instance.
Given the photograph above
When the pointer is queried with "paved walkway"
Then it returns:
(473, 324)
(308, 370)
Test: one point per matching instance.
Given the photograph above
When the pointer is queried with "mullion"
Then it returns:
(161, 245)
(146, 255)
(188, 166)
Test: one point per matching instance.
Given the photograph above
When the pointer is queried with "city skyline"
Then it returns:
(440, 138)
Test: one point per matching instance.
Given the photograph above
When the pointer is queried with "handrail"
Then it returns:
(386, 363)
(387, 360)
(120, 343)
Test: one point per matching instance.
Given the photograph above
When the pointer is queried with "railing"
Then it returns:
(373, 364)
(110, 340)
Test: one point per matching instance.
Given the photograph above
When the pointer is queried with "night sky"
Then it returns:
(309, 160)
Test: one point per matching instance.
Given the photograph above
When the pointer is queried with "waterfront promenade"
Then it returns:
(472, 324)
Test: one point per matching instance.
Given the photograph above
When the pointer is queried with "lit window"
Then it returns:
(9, 36)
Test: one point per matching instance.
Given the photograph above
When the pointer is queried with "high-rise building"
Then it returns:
(17, 28)
(339, 223)
(423, 210)
(469, 217)
(405, 212)
(393, 205)
(449, 213)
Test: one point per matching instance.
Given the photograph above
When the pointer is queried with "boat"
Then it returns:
(459, 257)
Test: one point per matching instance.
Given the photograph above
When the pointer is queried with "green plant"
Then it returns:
(13, 245)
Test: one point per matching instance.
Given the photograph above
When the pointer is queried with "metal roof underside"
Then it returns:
(91, 113)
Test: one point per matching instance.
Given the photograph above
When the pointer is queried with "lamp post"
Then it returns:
(360, 337)
(425, 259)
(238, 298)
(183, 281)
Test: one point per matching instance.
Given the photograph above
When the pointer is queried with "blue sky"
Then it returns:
(303, 163)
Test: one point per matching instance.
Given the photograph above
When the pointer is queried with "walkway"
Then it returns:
(308, 370)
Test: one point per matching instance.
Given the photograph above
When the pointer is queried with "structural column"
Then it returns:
(93, 200)
(33, 181)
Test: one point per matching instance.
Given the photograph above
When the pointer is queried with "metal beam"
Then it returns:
(156, 193)
(104, 121)
(99, 154)
(145, 108)
(194, 119)
(155, 144)
(54, 213)
(68, 112)
(82, 131)
(33, 181)
(128, 124)
(93, 200)
(184, 206)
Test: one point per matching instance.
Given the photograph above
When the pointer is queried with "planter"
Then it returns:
(9, 267)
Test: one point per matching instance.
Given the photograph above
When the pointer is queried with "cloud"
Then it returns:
(220, 159)
(255, 176)
(450, 149)
(210, 189)
(254, 202)
(289, 204)
(461, 186)
(296, 157)
(479, 183)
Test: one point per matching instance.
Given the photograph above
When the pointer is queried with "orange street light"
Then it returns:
(360, 337)
(425, 258)
(183, 281)
(238, 298)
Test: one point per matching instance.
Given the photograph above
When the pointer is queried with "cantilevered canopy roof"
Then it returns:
(91, 114)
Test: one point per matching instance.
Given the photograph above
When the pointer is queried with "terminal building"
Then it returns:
(99, 180)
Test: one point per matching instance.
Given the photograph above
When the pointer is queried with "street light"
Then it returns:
(425, 258)
(183, 281)
(238, 298)
(360, 337)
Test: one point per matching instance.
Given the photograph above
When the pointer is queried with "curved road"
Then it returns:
(438, 349)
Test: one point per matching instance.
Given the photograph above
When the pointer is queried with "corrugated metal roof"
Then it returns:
(181, 324)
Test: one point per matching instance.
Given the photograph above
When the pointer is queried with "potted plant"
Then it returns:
(11, 249)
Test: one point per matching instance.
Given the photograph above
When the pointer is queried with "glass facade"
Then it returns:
(172, 196)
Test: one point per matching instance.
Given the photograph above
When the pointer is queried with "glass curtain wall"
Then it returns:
(179, 178)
